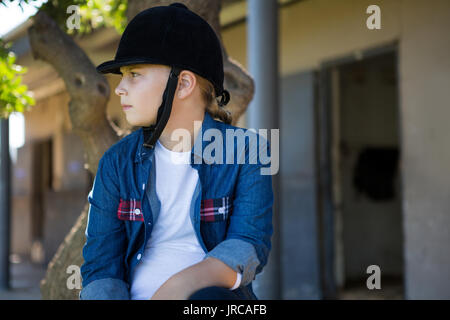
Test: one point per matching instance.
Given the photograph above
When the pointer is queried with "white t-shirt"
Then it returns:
(173, 245)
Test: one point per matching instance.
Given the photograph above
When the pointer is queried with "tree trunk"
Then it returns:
(89, 92)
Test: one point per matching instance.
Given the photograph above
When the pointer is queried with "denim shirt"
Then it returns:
(124, 207)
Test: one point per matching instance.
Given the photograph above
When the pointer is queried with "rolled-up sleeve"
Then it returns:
(248, 241)
(103, 270)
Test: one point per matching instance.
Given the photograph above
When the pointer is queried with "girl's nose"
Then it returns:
(120, 90)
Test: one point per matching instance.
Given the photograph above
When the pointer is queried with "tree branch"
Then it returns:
(89, 91)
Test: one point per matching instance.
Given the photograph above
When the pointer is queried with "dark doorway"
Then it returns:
(360, 189)
(41, 181)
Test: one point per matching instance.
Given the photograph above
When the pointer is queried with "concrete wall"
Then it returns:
(49, 119)
(21, 188)
(298, 200)
(316, 30)
(425, 114)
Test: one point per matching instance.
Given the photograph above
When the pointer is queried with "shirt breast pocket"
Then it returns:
(130, 210)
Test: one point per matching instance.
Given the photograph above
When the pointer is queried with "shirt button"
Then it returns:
(221, 210)
(139, 256)
(137, 211)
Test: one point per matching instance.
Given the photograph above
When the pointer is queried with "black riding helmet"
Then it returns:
(173, 36)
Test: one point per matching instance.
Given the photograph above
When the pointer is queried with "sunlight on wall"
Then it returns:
(16, 134)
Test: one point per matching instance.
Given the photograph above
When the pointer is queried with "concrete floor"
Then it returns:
(24, 281)
(391, 289)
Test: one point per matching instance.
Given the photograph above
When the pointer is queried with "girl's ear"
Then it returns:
(186, 84)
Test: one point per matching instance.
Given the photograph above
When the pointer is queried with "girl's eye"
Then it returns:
(133, 74)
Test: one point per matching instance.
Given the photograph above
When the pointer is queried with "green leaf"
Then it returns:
(14, 95)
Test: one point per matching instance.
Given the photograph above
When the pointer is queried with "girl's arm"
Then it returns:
(248, 241)
(209, 272)
(103, 270)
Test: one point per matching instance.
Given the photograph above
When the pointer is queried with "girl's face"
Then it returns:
(140, 91)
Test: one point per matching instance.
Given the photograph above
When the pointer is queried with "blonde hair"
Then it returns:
(209, 96)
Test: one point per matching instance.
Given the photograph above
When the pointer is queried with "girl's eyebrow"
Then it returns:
(128, 68)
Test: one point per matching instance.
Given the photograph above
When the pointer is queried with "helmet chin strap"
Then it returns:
(153, 132)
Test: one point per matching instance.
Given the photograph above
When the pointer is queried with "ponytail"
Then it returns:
(212, 107)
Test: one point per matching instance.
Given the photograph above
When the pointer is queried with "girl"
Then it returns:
(167, 221)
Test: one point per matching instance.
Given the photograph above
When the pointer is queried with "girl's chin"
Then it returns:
(137, 123)
(134, 123)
